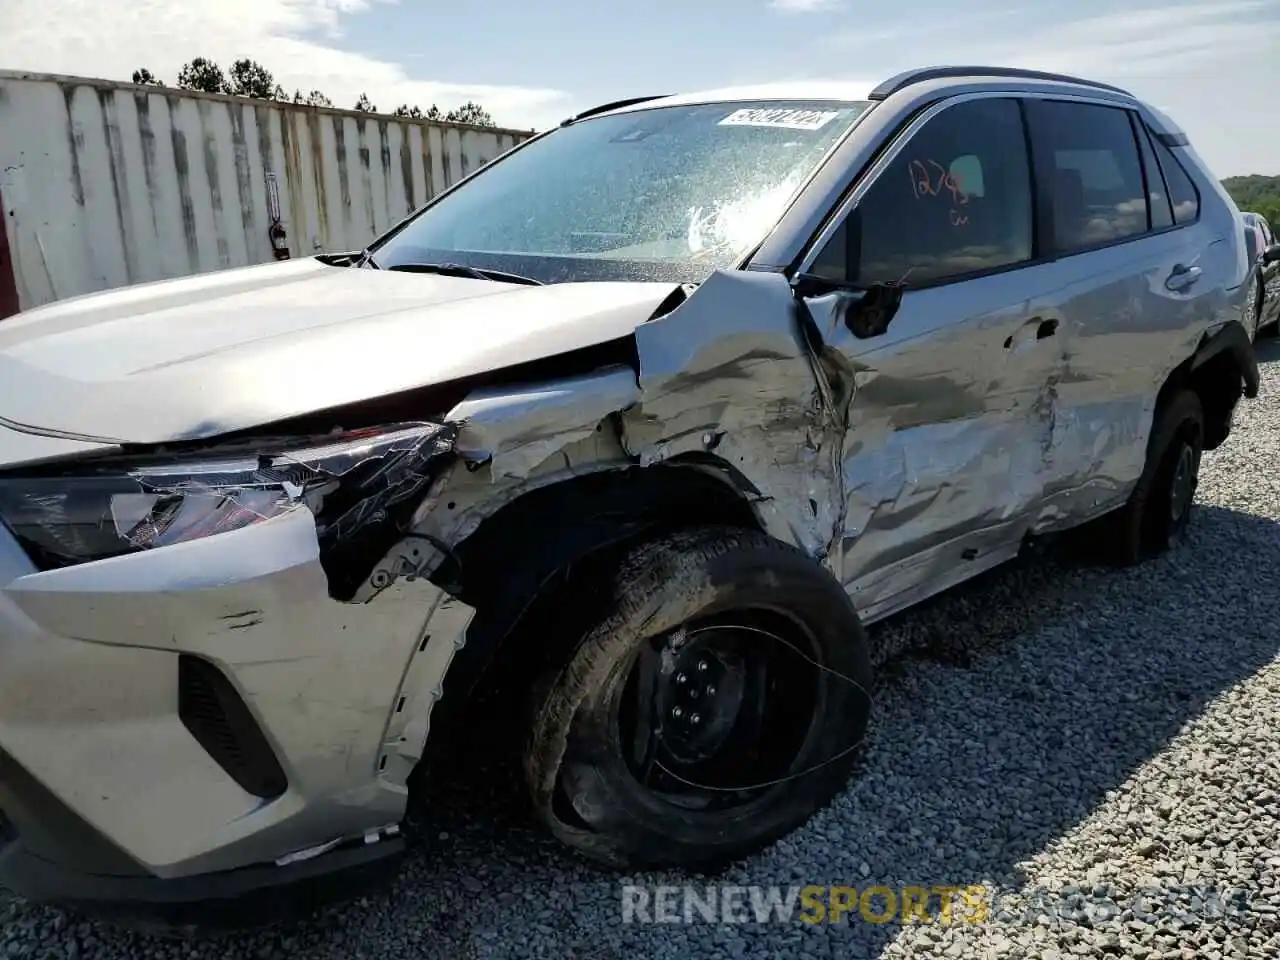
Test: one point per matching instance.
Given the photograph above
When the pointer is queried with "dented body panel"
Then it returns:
(903, 458)
(319, 674)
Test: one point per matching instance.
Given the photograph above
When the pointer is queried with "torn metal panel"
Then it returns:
(730, 372)
(518, 428)
(423, 685)
(466, 494)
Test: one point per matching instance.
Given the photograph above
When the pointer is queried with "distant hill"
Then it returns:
(1257, 193)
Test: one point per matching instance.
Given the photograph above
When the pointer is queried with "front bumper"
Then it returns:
(227, 899)
(112, 795)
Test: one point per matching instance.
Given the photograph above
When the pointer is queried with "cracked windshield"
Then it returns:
(661, 194)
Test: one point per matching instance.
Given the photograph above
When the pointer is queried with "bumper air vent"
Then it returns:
(213, 712)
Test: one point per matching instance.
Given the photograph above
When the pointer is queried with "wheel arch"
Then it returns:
(577, 525)
(1221, 371)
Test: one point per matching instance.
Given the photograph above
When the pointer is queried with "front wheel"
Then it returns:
(715, 708)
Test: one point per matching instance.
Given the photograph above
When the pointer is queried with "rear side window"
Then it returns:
(956, 200)
(1088, 159)
(1183, 193)
(1157, 193)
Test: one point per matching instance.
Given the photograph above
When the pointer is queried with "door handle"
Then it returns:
(1182, 277)
(1043, 326)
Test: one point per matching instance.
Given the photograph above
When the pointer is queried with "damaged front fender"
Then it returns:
(735, 370)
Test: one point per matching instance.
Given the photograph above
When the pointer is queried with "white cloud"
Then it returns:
(1210, 65)
(292, 38)
(1154, 41)
(804, 6)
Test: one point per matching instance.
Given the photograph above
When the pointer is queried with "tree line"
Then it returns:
(248, 78)
(1257, 193)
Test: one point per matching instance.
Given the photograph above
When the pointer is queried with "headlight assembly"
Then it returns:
(351, 484)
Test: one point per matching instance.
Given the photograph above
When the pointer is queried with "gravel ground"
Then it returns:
(1073, 736)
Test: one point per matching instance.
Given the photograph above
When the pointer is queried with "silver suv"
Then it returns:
(662, 407)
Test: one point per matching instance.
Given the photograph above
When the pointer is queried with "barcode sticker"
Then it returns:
(790, 119)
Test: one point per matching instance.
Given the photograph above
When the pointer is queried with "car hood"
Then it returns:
(201, 356)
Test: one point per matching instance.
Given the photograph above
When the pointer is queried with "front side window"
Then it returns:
(1089, 159)
(667, 193)
(955, 200)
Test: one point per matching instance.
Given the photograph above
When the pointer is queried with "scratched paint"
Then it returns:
(108, 184)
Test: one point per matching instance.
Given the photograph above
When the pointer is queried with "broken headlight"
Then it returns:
(349, 483)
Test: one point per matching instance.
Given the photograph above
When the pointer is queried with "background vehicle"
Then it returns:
(662, 406)
(1267, 294)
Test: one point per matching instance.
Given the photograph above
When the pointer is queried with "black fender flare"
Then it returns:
(1233, 339)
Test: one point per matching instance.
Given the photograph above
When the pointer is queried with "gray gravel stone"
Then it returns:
(1105, 742)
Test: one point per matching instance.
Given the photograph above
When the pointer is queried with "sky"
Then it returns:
(1213, 65)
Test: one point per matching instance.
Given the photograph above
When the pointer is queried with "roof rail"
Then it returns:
(921, 74)
(614, 105)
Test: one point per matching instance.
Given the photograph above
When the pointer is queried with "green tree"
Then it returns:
(202, 74)
(404, 110)
(364, 106)
(145, 78)
(470, 112)
(1256, 193)
(248, 78)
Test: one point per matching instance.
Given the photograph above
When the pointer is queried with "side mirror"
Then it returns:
(1271, 254)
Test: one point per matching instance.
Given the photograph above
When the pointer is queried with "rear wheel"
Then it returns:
(1259, 301)
(1160, 508)
(716, 708)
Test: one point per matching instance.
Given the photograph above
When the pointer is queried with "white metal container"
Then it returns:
(104, 184)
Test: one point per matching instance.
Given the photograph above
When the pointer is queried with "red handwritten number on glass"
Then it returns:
(920, 185)
(924, 183)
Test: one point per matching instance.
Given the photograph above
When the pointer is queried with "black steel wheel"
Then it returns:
(715, 709)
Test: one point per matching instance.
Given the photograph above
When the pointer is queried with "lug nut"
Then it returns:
(693, 693)
(711, 689)
(703, 666)
(681, 678)
(695, 719)
(677, 712)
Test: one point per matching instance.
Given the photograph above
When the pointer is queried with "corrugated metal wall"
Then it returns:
(104, 184)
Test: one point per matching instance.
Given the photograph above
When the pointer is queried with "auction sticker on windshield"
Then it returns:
(791, 119)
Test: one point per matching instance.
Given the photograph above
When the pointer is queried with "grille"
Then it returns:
(212, 710)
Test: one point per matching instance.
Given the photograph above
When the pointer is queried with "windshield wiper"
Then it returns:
(463, 270)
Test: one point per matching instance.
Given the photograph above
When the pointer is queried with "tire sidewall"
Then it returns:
(703, 583)
(1181, 423)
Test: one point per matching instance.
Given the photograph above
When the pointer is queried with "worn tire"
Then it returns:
(581, 785)
(1146, 526)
